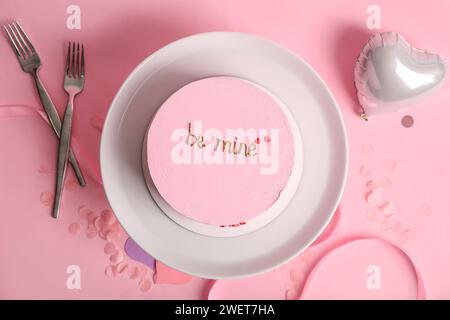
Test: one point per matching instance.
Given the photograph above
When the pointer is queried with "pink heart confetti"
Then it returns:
(121, 267)
(372, 185)
(386, 225)
(365, 171)
(142, 272)
(390, 165)
(96, 122)
(372, 214)
(90, 216)
(407, 236)
(133, 273)
(109, 248)
(373, 197)
(116, 257)
(387, 208)
(45, 170)
(102, 235)
(74, 228)
(91, 234)
(145, 285)
(110, 271)
(46, 198)
(386, 183)
(96, 223)
(107, 217)
(112, 236)
(366, 149)
(425, 210)
(397, 227)
(83, 212)
(71, 184)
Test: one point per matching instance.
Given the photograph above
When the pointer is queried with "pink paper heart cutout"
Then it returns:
(167, 275)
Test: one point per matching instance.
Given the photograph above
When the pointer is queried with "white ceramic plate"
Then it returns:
(285, 75)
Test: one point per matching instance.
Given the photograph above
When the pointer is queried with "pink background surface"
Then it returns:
(411, 164)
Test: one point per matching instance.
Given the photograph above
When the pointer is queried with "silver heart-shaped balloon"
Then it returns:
(390, 74)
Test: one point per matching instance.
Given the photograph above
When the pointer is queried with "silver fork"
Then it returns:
(30, 63)
(73, 84)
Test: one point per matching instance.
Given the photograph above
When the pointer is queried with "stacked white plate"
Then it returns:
(288, 78)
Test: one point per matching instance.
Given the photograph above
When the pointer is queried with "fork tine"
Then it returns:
(12, 41)
(30, 45)
(78, 61)
(68, 59)
(73, 59)
(26, 49)
(82, 60)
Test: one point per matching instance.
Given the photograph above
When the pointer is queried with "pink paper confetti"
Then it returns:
(386, 225)
(107, 217)
(116, 257)
(91, 227)
(373, 197)
(102, 234)
(133, 273)
(90, 216)
(46, 198)
(407, 236)
(109, 248)
(71, 184)
(142, 272)
(91, 234)
(386, 183)
(390, 165)
(145, 285)
(83, 212)
(425, 210)
(112, 236)
(365, 171)
(121, 267)
(397, 227)
(110, 271)
(45, 170)
(372, 214)
(74, 228)
(407, 121)
(366, 149)
(387, 208)
(96, 122)
(96, 223)
(371, 185)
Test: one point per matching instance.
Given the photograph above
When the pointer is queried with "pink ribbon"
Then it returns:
(12, 111)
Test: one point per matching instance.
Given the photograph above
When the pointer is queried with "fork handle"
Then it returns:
(63, 155)
(55, 122)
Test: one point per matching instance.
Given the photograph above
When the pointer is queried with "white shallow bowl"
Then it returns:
(286, 76)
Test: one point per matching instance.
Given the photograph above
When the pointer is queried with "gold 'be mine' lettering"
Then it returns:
(226, 146)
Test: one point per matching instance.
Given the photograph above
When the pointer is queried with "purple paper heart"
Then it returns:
(136, 253)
